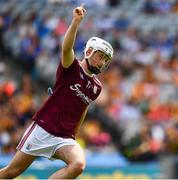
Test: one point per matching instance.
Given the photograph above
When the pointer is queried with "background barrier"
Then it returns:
(99, 166)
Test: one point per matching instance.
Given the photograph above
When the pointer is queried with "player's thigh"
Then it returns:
(70, 154)
(21, 161)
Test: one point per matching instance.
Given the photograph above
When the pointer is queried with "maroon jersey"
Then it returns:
(72, 93)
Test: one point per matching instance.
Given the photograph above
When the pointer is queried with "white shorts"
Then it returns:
(38, 142)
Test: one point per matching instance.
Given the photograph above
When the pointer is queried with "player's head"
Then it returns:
(98, 54)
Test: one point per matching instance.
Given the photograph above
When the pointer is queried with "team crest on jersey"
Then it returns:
(88, 85)
(95, 89)
(81, 76)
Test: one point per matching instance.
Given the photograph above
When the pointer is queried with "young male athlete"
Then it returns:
(52, 132)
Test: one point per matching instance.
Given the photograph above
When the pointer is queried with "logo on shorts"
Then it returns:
(29, 146)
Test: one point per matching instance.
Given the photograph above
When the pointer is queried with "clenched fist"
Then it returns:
(79, 13)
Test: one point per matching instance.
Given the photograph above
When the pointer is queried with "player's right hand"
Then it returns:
(79, 12)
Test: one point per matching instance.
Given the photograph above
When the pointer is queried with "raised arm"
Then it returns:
(69, 38)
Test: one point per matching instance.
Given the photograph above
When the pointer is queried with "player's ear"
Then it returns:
(89, 51)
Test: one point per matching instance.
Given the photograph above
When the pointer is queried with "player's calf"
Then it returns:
(9, 173)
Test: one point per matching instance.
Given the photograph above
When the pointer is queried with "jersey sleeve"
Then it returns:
(62, 70)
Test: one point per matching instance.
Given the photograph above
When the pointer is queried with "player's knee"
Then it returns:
(79, 167)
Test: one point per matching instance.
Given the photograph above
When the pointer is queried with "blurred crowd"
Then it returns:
(140, 89)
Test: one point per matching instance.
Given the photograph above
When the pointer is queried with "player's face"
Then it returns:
(99, 59)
